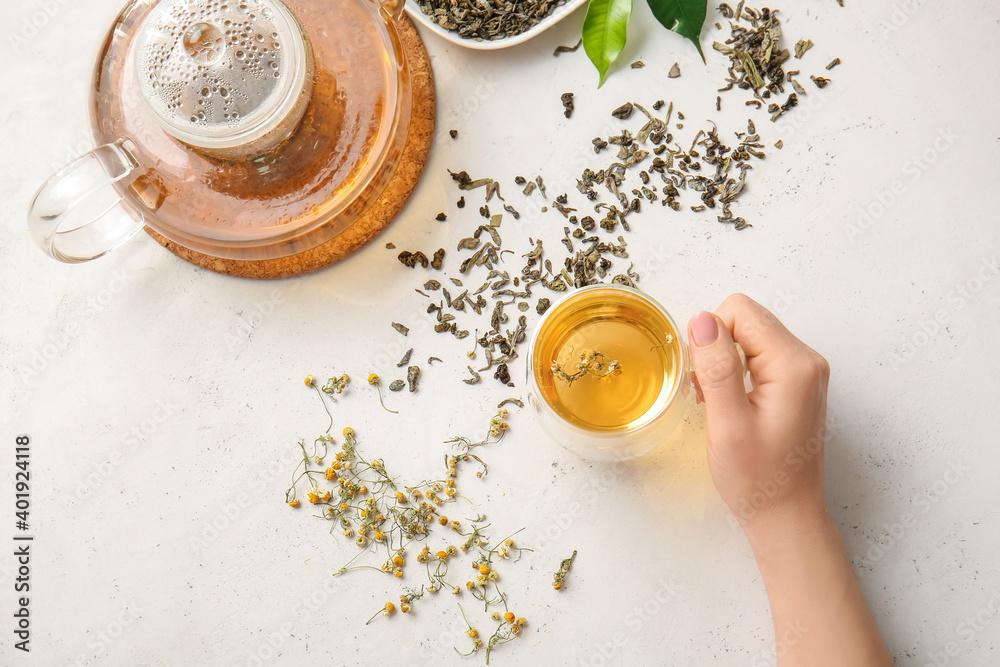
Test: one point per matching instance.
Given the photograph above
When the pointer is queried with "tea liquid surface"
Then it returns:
(628, 331)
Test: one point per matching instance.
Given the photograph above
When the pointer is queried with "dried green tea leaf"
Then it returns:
(675, 71)
(411, 259)
(400, 328)
(802, 46)
(624, 111)
(503, 374)
(567, 102)
(475, 376)
(406, 358)
(412, 374)
(722, 48)
(438, 261)
(516, 401)
(567, 49)
(513, 211)
(397, 385)
(541, 186)
(622, 279)
(750, 67)
(833, 63)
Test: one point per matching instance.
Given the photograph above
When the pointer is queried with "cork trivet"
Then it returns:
(386, 207)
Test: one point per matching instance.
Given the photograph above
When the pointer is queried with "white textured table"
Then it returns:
(164, 402)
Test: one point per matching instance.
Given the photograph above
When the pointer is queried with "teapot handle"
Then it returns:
(78, 214)
(391, 10)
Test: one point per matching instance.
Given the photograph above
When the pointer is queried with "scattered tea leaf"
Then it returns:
(624, 111)
(503, 374)
(411, 259)
(476, 377)
(438, 261)
(820, 81)
(400, 328)
(675, 71)
(802, 46)
(567, 49)
(397, 385)
(406, 358)
(567, 102)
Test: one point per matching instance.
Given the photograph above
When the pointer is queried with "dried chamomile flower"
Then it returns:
(560, 576)
(373, 380)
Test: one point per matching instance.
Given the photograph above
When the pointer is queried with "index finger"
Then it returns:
(767, 343)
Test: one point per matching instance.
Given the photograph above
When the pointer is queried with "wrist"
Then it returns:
(789, 528)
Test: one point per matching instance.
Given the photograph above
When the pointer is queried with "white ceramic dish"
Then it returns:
(557, 14)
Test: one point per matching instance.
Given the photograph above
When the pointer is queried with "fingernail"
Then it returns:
(704, 328)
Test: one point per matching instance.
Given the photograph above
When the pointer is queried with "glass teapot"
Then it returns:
(241, 129)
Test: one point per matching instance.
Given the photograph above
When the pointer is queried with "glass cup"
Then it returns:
(623, 402)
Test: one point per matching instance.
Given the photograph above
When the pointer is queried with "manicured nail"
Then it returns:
(704, 328)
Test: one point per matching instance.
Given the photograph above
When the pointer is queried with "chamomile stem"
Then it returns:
(328, 414)
(378, 388)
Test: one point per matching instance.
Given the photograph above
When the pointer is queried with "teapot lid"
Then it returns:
(221, 73)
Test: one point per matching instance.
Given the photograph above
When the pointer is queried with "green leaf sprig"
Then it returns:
(685, 17)
(605, 29)
(604, 32)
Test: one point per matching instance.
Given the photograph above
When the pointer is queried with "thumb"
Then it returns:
(717, 367)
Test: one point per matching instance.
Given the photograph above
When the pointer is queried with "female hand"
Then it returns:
(765, 448)
(765, 452)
